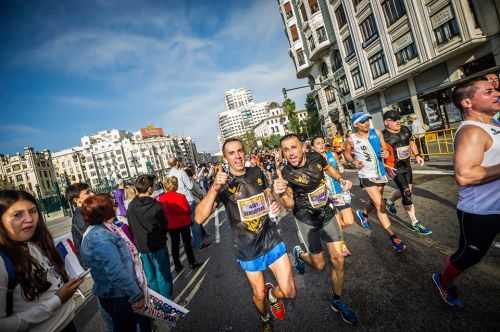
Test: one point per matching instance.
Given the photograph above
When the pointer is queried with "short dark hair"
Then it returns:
(315, 138)
(73, 191)
(97, 209)
(465, 90)
(287, 136)
(144, 182)
(230, 140)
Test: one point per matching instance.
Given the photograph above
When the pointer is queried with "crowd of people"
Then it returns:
(122, 237)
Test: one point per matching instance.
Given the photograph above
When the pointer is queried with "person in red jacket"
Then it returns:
(178, 213)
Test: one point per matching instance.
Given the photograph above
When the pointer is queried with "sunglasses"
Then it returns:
(363, 121)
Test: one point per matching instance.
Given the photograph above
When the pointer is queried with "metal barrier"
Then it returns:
(437, 142)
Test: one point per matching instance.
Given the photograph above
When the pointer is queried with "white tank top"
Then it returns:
(483, 198)
(363, 151)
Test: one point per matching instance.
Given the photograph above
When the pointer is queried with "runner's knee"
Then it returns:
(289, 290)
(338, 262)
(406, 196)
(319, 265)
(259, 294)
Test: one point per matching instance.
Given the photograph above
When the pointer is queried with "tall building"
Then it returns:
(31, 171)
(71, 166)
(235, 98)
(377, 55)
(276, 123)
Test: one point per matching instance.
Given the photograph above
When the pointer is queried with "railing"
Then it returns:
(437, 142)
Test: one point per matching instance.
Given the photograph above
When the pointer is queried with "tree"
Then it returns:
(293, 120)
(313, 122)
(272, 141)
(249, 141)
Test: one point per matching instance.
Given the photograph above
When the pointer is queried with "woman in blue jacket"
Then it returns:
(112, 267)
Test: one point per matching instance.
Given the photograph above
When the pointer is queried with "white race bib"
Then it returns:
(252, 211)
(338, 199)
(319, 197)
(403, 152)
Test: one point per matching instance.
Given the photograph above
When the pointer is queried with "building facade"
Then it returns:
(31, 171)
(236, 98)
(377, 55)
(276, 123)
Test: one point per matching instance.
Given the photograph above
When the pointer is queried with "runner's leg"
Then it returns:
(282, 270)
(337, 270)
(375, 193)
(256, 280)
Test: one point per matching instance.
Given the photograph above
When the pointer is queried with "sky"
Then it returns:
(72, 68)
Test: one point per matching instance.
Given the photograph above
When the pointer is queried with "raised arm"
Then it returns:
(205, 207)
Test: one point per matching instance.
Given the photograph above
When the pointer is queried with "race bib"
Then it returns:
(252, 212)
(403, 152)
(319, 197)
(338, 199)
(379, 179)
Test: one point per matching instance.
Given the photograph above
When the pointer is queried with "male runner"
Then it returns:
(477, 172)
(245, 195)
(364, 149)
(303, 188)
(401, 145)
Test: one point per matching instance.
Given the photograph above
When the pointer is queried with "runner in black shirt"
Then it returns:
(401, 146)
(245, 195)
(303, 188)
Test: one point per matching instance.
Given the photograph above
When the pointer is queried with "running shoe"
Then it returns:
(345, 312)
(266, 325)
(298, 262)
(363, 220)
(277, 307)
(391, 207)
(420, 229)
(447, 293)
(397, 244)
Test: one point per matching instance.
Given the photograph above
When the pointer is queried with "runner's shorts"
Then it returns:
(365, 183)
(261, 263)
(311, 236)
(403, 180)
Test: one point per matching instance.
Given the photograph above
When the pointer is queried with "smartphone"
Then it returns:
(84, 273)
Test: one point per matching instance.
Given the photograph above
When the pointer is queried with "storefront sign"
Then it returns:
(402, 42)
(442, 17)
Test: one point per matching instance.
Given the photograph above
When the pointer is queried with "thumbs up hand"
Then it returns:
(280, 185)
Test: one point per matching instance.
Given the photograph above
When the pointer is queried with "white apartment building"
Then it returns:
(71, 165)
(236, 98)
(276, 123)
(376, 55)
(231, 124)
(31, 171)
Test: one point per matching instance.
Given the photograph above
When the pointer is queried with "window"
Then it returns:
(324, 71)
(330, 95)
(16, 167)
(8, 170)
(313, 4)
(303, 12)
(349, 46)
(337, 60)
(393, 10)
(321, 34)
(406, 54)
(343, 86)
(300, 57)
(312, 46)
(19, 177)
(378, 65)
(294, 32)
(340, 15)
(368, 30)
(446, 31)
(356, 2)
(288, 10)
(356, 78)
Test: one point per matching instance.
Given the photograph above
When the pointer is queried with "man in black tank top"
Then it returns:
(245, 193)
(302, 187)
(401, 146)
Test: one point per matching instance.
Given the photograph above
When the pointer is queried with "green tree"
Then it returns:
(293, 120)
(313, 122)
(272, 141)
(249, 141)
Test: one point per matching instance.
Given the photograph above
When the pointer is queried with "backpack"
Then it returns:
(11, 274)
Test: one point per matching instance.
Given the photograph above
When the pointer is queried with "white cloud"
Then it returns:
(18, 129)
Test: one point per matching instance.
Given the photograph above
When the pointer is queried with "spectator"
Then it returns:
(130, 193)
(119, 197)
(147, 223)
(418, 131)
(76, 194)
(178, 213)
(35, 293)
(116, 285)
(201, 241)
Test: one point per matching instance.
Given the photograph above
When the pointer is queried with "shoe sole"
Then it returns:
(443, 297)
(341, 316)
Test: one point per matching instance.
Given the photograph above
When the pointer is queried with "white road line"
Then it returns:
(195, 290)
(200, 269)
(417, 171)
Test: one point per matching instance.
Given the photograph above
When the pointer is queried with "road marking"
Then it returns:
(418, 171)
(200, 269)
(195, 290)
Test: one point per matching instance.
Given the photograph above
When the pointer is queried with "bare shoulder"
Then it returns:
(472, 136)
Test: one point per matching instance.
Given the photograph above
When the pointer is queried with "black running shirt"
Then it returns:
(309, 190)
(400, 144)
(247, 209)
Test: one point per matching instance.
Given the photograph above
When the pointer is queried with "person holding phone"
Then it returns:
(35, 290)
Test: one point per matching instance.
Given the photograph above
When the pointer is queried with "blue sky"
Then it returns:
(72, 68)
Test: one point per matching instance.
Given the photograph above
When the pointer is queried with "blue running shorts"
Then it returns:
(261, 263)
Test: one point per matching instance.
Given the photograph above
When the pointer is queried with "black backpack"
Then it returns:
(11, 274)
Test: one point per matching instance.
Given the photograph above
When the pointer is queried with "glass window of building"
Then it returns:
(313, 4)
(349, 46)
(356, 2)
(340, 15)
(300, 57)
(337, 60)
(324, 71)
(445, 25)
(321, 34)
(312, 46)
(288, 10)
(378, 65)
(393, 10)
(356, 78)
(406, 54)
(303, 12)
(294, 32)
(330, 95)
(368, 30)
(343, 86)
